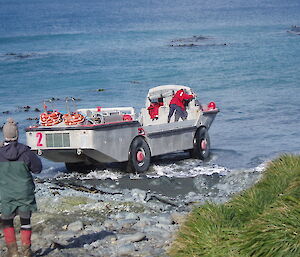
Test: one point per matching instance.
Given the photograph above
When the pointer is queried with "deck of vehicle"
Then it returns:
(120, 135)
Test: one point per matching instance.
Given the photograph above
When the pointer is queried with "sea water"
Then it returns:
(237, 53)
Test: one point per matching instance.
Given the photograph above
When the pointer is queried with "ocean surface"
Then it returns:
(237, 53)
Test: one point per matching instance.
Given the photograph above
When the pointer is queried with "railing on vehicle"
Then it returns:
(107, 115)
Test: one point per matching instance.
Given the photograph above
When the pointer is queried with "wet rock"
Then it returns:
(165, 227)
(164, 219)
(48, 237)
(64, 236)
(94, 228)
(56, 252)
(148, 220)
(75, 99)
(56, 245)
(90, 247)
(10, 54)
(109, 224)
(131, 238)
(196, 45)
(125, 216)
(159, 252)
(100, 89)
(119, 216)
(24, 108)
(183, 45)
(95, 244)
(23, 55)
(135, 82)
(132, 216)
(76, 226)
(53, 99)
(126, 250)
(139, 195)
(140, 225)
(159, 244)
(103, 252)
(20, 55)
(147, 252)
(110, 238)
(156, 232)
(126, 224)
(190, 39)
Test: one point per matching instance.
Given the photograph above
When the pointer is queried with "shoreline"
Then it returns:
(80, 217)
(262, 220)
(84, 224)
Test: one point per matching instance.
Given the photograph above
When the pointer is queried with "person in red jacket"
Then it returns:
(177, 104)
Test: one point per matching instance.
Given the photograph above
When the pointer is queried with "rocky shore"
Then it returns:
(122, 215)
(112, 223)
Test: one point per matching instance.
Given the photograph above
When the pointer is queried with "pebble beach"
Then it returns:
(74, 223)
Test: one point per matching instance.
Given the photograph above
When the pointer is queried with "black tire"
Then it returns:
(201, 142)
(139, 156)
(78, 167)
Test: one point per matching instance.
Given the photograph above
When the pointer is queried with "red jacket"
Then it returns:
(179, 97)
(153, 110)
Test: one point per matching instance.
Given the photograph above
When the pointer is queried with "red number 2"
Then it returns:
(39, 135)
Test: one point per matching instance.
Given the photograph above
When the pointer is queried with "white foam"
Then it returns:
(239, 180)
(260, 168)
(103, 174)
(180, 169)
(190, 168)
(50, 172)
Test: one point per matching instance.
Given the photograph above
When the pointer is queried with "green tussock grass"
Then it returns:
(261, 221)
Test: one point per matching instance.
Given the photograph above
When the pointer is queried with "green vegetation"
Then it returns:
(261, 221)
(69, 202)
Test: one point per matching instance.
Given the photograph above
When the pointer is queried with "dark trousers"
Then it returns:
(179, 113)
(25, 219)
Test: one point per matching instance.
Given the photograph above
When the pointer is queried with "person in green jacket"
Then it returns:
(17, 189)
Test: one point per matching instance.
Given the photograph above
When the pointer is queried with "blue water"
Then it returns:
(247, 63)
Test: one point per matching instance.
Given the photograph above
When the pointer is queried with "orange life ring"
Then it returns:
(50, 119)
(73, 119)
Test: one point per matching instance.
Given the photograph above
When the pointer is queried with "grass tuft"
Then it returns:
(261, 221)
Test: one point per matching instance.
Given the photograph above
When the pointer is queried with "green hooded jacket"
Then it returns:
(16, 182)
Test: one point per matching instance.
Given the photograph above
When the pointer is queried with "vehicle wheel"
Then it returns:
(201, 148)
(139, 156)
(78, 167)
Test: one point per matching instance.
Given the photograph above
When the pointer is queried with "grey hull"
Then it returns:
(110, 132)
